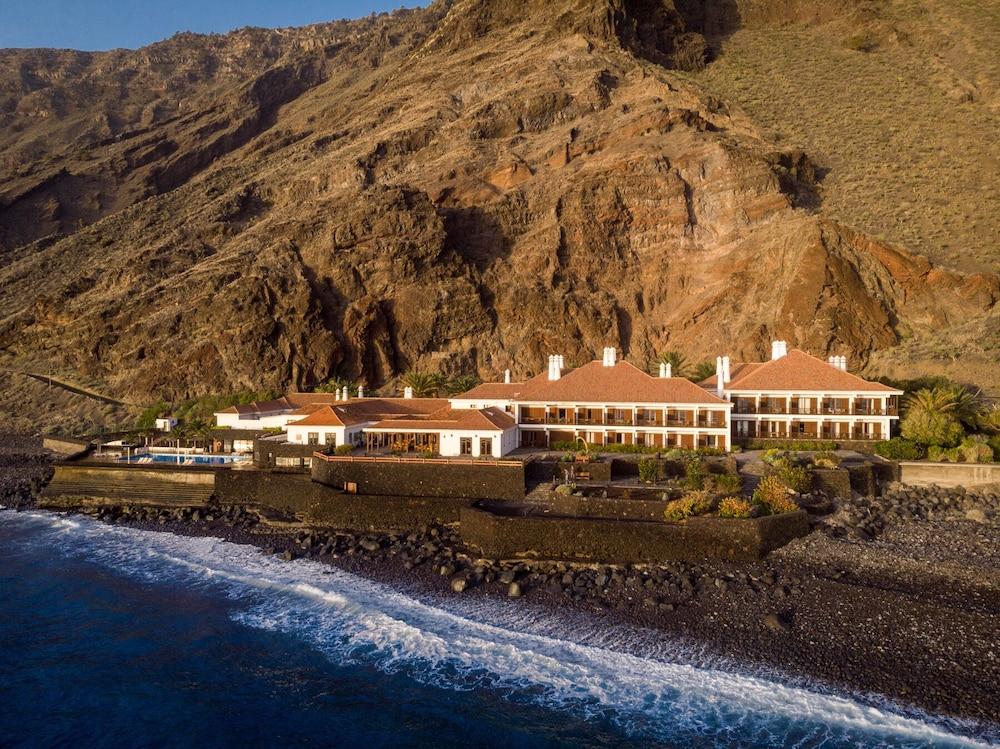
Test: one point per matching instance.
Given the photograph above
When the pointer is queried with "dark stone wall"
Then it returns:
(414, 479)
(627, 541)
(598, 507)
(863, 479)
(265, 452)
(834, 482)
(323, 505)
(546, 470)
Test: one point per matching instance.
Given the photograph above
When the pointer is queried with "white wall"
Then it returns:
(300, 434)
(236, 421)
(502, 404)
(502, 442)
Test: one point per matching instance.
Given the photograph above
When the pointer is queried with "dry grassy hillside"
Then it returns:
(899, 100)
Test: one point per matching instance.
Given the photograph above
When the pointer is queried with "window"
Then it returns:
(486, 446)
(465, 445)
(331, 439)
(313, 438)
(288, 462)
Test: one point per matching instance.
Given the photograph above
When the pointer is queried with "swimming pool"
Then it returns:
(185, 459)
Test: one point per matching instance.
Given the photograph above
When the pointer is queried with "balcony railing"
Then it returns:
(825, 410)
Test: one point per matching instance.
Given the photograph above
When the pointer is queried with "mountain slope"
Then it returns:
(466, 187)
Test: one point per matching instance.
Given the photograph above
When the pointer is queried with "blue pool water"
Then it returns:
(216, 460)
(115, 637)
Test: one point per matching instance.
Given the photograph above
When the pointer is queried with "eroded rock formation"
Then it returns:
(466, 187)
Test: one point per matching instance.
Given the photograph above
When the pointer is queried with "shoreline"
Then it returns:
(780, 616)
(893, 599)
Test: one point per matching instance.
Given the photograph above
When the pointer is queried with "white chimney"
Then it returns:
(561, 361)
(361, 391)
(726, 374)
(555, 367)
(407, 392)
(842, 363)
(832, 361)
(778, 349)
(610, 356)
(336, 394)
(666, 370)
(347, 394)
(506, 376)
(720, 379)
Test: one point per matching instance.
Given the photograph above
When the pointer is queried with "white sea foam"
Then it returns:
(664, 692)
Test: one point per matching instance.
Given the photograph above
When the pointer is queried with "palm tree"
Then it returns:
(678, 363)
(956, 401)
(461, 384)
(424, 384)
(989, 419)
(702, 370)
(333, 385)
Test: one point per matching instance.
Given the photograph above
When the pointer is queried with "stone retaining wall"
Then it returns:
(922, 473)
(456, 480)
(321, 505)
(834, 482)
(599, 507)
(546, 470)
(615, 541)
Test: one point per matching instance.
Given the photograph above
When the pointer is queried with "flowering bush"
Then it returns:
(692, 503)
(735, 507)
(772, 494)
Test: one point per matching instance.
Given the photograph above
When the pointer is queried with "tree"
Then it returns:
(939, 415)
(678, 364)
(703, 370)
(333, 385)
(460, 384)
(932, 428)
(424, 384)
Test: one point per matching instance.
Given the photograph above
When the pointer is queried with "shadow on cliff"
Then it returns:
(475, 235)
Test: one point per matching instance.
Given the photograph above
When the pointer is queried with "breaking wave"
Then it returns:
(651, 687)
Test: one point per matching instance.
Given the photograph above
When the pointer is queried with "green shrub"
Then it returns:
(735, 507)
(566, 489)
(343, 449)
(899, 448)
(695, 475)
(795, 477)
(976, 449)
(726, 483)
(826, 459)
(649, 470)
(772, 455)
(941, 429)
(800, 445)
(772, 494)
(994, 442)
(692, 503)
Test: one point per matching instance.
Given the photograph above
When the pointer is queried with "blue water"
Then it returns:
(197, 459)
(114, 637)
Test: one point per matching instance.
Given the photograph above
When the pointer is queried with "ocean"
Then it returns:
(117, 637)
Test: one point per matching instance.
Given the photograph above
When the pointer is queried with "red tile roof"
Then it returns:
(364, 410)
(797, 371)
(492, 391)
(621, 383)
(464, 419)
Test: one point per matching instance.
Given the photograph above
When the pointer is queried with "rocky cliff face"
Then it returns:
(466, 187)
